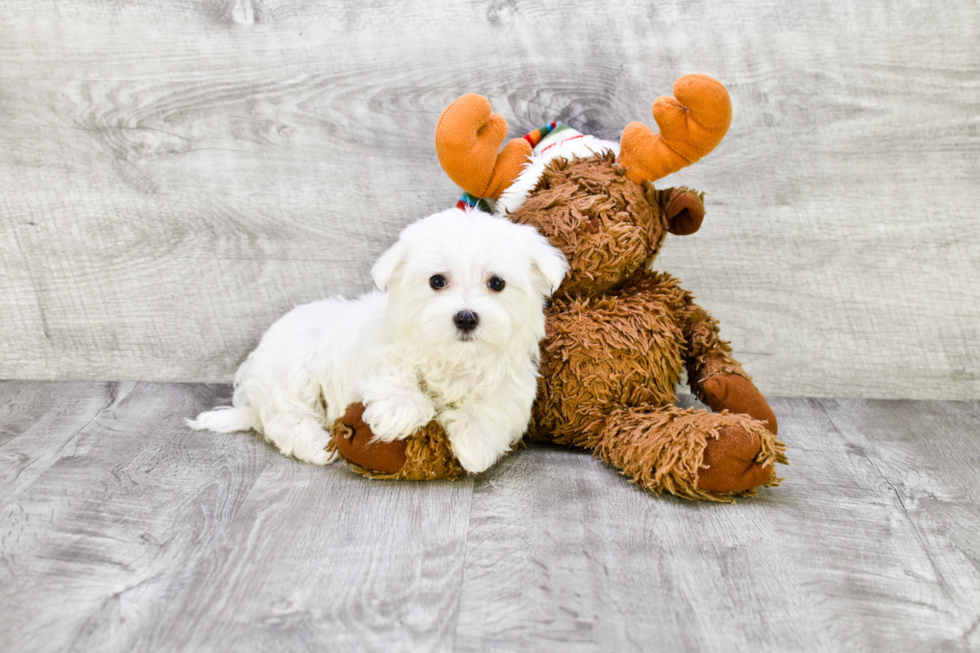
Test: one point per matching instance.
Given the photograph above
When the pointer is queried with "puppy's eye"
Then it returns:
(437, 281)
(496, 284)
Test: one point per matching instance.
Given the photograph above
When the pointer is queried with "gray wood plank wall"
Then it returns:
(176, 174)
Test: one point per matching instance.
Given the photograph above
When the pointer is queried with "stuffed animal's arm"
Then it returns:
(714, 375)
(707, 355)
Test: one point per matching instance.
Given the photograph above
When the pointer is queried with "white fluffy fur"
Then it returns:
(399, 351)
(558, 144)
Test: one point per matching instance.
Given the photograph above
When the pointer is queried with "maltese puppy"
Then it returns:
(452, 335)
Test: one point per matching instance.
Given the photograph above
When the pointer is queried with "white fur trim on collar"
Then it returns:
(568, 144)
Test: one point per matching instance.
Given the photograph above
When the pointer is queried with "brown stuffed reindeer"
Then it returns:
(618, 334)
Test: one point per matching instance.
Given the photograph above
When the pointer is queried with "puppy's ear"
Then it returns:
(548, 260)
(386, 266)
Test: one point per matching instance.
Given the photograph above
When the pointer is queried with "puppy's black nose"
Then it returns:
(466, 320)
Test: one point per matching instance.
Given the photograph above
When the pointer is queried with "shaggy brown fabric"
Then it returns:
(622, 348)
(708, 354)
(618, 338)
(427, 455)
(663, 450)
(598, 218)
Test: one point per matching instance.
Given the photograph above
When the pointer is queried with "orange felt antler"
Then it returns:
(690, 127)
(467, 138)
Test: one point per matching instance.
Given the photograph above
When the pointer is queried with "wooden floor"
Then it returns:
(123, 530)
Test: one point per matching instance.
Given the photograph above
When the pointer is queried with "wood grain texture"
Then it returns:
(133, 533)
(40, 420)
(933, 469)
(24, 404)
(178, 174)
(351, 567)
(124, 513)
(563, 554)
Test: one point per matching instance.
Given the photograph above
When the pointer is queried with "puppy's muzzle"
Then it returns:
(466, 321)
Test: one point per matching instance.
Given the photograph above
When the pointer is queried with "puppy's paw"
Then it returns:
(398, 416)
(312, 448)
(474, 446)
(320, 458)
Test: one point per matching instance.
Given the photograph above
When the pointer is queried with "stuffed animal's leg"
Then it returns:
(690, 453)
(715, 376)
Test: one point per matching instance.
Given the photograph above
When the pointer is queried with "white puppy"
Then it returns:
(452, 335)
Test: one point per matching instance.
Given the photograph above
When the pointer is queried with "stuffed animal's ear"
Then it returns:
(685, 211)
(389, 263)
(548, 260)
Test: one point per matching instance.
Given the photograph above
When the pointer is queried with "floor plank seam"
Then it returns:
(71, 438)
(898, 496)
(918, 536)
(462, 567)
(969, 631)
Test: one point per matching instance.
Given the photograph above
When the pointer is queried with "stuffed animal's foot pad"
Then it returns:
(730, 462)
(737, 394)
(356, 443)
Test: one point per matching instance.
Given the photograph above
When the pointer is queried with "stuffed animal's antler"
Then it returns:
(690, 127)
(467, 138)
